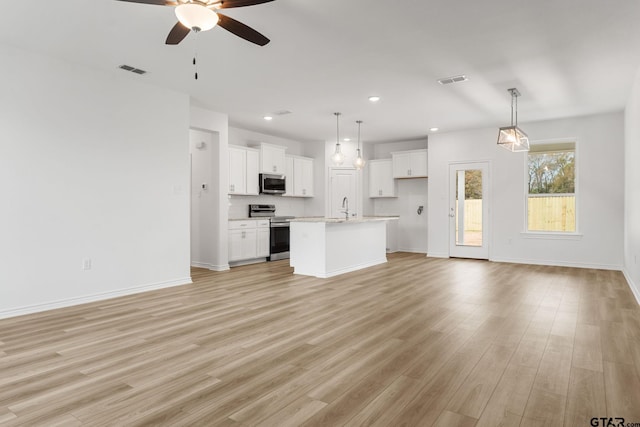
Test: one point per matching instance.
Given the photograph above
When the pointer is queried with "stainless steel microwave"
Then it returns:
(272, 184)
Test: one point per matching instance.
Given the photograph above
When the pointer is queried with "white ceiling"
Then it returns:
(567, 58)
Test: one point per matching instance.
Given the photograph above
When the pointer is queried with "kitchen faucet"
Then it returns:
(345, 202)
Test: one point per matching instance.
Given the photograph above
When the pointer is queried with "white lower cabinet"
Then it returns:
(248, 240)
(262, 242)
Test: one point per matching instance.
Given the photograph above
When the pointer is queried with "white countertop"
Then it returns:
(342, 220)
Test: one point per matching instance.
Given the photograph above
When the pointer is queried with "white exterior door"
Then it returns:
(343, 183)
(469, 210)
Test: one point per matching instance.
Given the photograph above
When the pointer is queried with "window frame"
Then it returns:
(554, 235)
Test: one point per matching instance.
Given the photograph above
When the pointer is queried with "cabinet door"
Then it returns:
(249, 244)
(272, 159)
(419, 163)
(303, 177)
(262, 242)
(235, 244)
(237, 171)
(401, 165)
(381, 183)
(251, 175)
(289, 174)
(410, 164)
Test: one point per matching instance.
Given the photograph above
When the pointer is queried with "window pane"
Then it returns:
(551, 204)
(469, 207)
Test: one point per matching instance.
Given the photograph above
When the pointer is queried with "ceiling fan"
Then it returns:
(203, 15)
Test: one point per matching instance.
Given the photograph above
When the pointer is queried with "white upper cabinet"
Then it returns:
(243, 170)
(381, 183)
(303, 177)
(288, 173)
(410, 164)
(272, 159)
(299, 176)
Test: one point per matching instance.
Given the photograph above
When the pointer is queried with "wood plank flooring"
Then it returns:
(415, 342)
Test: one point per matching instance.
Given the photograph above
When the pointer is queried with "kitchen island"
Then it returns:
(326, 247)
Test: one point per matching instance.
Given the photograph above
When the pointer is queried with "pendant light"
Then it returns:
(337, 157)
(512, 137)
(359, 162)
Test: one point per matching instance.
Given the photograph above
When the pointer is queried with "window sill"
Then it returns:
(548, 235)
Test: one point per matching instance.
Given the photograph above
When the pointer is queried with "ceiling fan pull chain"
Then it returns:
(195, 56)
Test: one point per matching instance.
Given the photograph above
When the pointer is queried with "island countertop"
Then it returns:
(353, 220)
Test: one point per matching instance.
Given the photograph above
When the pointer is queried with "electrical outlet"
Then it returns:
(86, 264)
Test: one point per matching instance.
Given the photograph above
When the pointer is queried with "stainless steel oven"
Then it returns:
(279, 231)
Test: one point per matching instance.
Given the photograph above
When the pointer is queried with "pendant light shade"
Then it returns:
(337, 157)
(359, 162)
(512, 137)
(196, 17)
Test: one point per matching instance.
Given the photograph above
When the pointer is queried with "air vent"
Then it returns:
(282, 113)
(132, 69)
(453, 79)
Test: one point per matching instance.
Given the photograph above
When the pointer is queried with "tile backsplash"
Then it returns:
(291, 206)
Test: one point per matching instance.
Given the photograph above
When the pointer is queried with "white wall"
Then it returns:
(93, 165)
(216, 167)
(600, 203)
(205, 232)
(632, 189)
(409, 233)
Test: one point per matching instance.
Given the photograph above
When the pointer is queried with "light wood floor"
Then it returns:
(414, 342)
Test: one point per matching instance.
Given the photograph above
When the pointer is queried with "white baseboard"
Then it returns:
(437, 255)
(36, 308)
(213, 267)
(412, 250)
(635, 289)
(554, 263)
(247, 262)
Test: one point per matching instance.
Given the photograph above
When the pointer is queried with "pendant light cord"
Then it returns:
(337, 128)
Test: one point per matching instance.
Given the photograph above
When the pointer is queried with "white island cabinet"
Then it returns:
(326, 247)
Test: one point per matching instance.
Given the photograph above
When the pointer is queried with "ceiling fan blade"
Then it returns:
(177, 34)
(226, 4)
(242, 30)
(157, 2)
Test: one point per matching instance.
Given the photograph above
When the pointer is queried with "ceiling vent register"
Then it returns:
(132, 69)
(453, 79)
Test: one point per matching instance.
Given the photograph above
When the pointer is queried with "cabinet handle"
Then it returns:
(304, 192)
(379, 192)
(409, 172)
(244, 233)
(275, 168)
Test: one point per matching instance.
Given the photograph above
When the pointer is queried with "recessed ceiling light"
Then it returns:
(347, 139)
(268, 118)
(434, 129)
(374, 98)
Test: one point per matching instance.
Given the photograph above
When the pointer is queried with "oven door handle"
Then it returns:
(279, 225)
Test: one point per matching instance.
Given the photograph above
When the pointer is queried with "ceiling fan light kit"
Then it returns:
(203, 15)
(512, 137)
(196, 16)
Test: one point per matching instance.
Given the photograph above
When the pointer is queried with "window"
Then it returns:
(551, 201)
